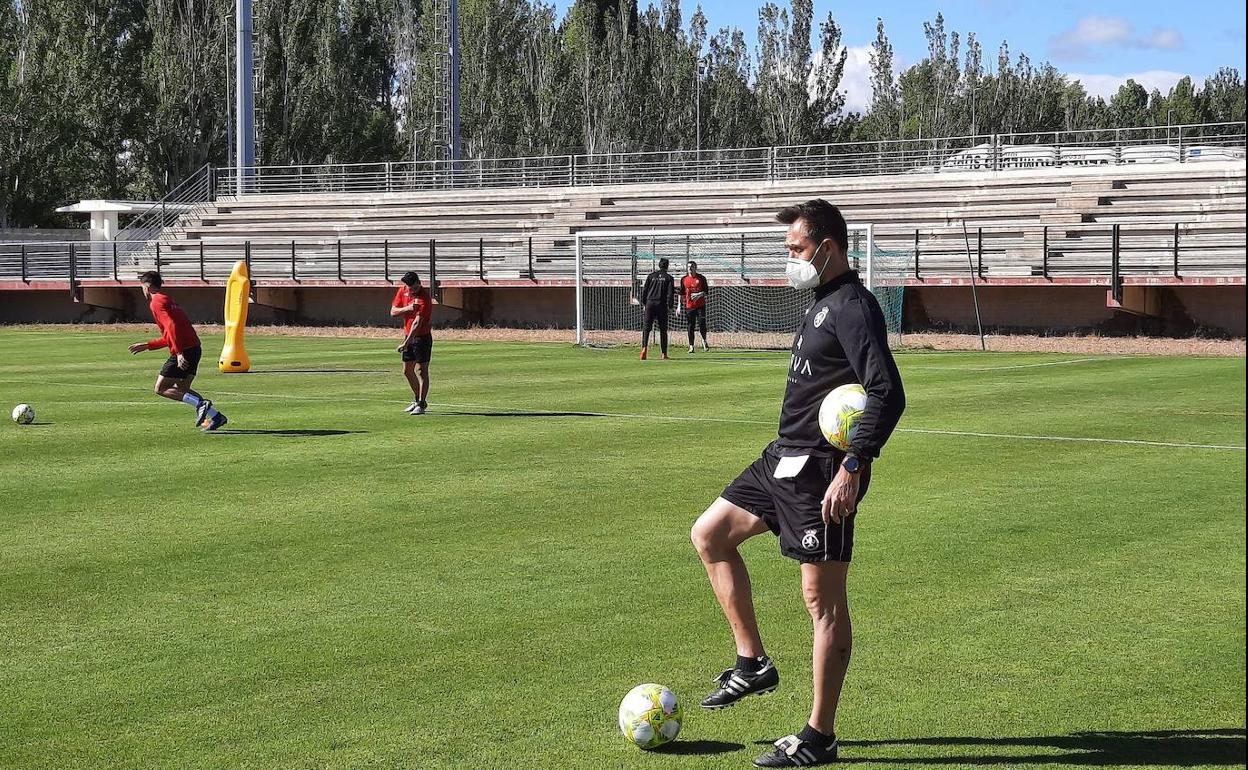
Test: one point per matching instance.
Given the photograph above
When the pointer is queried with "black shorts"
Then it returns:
(173, 371)
(792, 507)
(419, 350)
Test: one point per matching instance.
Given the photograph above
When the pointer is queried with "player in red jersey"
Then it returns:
(177, 334)
(413, 303)
(693, 289)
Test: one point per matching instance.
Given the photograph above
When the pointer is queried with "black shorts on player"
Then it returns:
(419, 350)
(175, 372)
(793, 507)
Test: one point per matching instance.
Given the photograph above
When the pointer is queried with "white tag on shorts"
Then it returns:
(788, 467)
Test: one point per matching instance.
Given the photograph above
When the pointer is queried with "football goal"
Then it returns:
(749, 302)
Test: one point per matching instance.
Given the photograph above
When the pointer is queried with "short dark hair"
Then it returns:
(823, 221)
(410, 278)
(151, 278)
(693, 264)
(663, 263)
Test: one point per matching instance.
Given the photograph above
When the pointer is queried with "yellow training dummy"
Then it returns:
(234, 355)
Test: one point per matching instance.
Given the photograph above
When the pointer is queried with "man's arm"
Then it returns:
(646, 287)
(861, 330)
(165, 340)
(863, 335)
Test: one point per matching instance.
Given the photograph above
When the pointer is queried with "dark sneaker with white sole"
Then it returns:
(201, 410)
(214, 422)
(735, 684)
(791, 751)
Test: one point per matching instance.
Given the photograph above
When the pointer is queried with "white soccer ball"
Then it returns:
(650, 715)
(839, 414)
(23, 414)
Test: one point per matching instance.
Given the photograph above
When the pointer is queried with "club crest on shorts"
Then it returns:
(822, 314)
(810, 540)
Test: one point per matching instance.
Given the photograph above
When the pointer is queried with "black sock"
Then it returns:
(750, 665)
(811, 735)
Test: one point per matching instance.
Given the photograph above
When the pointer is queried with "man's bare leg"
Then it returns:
(823, 589)
(174, 388)
(422, 378)
(413, 379)
(716, 534)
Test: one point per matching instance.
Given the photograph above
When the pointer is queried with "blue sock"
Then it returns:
(192, 399)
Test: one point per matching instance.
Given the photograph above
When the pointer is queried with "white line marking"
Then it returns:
(667, 417)
(1003, 368)
(1129, 441)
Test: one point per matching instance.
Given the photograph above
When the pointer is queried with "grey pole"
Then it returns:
(453, 7)
(697, 80)
(245, 135)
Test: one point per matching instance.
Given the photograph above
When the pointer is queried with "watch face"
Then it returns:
(851, 464)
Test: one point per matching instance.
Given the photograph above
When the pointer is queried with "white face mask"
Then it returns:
(802, 274)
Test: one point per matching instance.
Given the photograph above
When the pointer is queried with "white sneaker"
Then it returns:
(411, 407)
(691, 348)
(417, 409)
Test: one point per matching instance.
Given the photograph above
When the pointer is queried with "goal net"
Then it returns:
(749, 302)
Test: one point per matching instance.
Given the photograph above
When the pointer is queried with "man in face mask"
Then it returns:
(802, 488)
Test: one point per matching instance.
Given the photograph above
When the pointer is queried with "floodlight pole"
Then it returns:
(244, 83)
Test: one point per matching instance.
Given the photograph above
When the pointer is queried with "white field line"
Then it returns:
(672, 418)
(785, 364)
(1004, 368)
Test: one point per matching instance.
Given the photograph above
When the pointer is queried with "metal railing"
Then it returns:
(986, 152)
(1092, 251)
(164, 219)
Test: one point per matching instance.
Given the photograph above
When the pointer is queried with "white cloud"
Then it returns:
(856, 80)
(1105, 86)
(1164, 39)
(1092, 33)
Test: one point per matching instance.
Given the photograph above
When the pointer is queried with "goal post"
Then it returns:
(750, 304)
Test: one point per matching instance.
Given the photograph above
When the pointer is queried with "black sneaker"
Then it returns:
(791, 751)
(214, 422)
(201, 410)
(735, 684)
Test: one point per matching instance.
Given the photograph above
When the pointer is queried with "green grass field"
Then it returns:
(330, 583)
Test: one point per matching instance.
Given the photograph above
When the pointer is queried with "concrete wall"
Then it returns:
(43, 234)
(1184, 311)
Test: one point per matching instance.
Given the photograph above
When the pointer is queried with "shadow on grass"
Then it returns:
(698, 748)
(503, 413)
(287, 432)
(318, 371)
(1145, 748)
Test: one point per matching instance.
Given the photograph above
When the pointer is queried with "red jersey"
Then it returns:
(693, 289)
(424, 309)
(176, 332)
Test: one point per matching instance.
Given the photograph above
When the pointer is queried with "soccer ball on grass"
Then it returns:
(650, 715)
(839, 414)
(23, 414)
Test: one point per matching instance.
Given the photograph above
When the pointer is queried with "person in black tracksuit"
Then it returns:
(802, 488)
(658, 296)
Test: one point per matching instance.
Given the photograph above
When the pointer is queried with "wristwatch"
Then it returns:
(851, 464)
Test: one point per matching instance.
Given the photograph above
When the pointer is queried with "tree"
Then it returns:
(885, 118)
(1221, 98)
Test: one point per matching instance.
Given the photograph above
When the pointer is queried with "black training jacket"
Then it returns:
(842, 340)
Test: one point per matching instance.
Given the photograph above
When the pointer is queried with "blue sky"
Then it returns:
(1101, 43)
